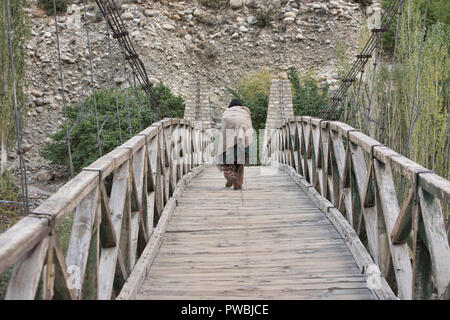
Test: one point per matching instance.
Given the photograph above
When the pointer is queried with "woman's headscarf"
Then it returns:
(235, 102)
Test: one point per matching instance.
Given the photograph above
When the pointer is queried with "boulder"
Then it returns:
(289, 20)
(150, 13)
(243, 29)
(44, 176)
(275, 3)
(127, 16)
(167, 26)
(39, 102)
(199, 13)
(289, 14)
(37, 93)
(67, 59)
(236, 4)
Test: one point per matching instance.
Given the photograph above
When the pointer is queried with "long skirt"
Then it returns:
(232, 165)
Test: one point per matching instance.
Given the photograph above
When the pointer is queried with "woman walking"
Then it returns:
(237, 133)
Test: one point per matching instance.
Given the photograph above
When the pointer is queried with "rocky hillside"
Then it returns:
(180, 40)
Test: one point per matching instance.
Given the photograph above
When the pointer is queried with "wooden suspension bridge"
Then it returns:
(321, 218)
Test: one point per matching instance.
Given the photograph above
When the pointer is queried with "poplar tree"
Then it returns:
(20, 30)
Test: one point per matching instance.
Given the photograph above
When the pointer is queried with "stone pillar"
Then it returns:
(280, 103)
(197, 106)
(280, 106)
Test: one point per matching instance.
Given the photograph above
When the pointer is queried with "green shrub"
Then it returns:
(253, 90)
(307, 98)
(84, 134)
(47, 6)
(264, 18)
(363, 3)
(8, 192)
(438, 11)
(213, 4)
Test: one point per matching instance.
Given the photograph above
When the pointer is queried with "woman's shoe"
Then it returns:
(230, 181)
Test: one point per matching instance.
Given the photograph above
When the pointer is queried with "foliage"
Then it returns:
(8, 192)
(438, 11)
(8, 217)
(171, 106)
(264, 18)
(429, 127)
(253, 91)
(213, 4)
(342, 61)
(20, 29)
(430, 142)
(307, 98)
(363, 3)
(84, 134)
(47, 6)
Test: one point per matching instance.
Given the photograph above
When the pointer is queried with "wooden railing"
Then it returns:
(113, 207)
(403, 231)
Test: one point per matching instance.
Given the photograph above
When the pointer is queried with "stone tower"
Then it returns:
(280, 104)
(197, 106)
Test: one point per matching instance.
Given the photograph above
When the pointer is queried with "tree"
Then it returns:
(81, 119)
(20, 32)
(307, 98)
(253, 91)
(422, 132)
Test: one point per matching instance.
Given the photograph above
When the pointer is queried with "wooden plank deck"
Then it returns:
(267, 241)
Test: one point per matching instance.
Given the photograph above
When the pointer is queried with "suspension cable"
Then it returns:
(22, 165)
(99, 141)
(138, 101)
(111, 14)
(113, 77)
(357, 96)
(63, 96)
(127, 100)
(366, 53)
(372, 80)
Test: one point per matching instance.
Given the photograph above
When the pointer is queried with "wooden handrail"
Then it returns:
(406, 237)
(116, 203)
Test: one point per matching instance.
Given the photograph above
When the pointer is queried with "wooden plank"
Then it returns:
(90, 281)
(236, 246)
(435, 185)
(108, 258)
(255, 294)
(259, 287)
(109, 161)
(67, 198)
(80, 237)
(22, 237)
(377, 283)
(438, 247)
(402, 227)
(421, 260)
(48, 273)
(63, 286)
(370, 213)
(134, 282)
(107, 234)
(26, 274)
(134, 225)
(390, 207)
